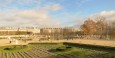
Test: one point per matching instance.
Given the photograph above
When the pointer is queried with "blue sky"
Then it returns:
(51, 12)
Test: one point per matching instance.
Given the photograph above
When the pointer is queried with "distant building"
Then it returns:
(35, 32)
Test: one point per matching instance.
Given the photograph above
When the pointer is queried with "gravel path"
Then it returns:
(4, 42)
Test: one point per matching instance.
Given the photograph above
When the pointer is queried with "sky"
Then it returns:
(53, 13)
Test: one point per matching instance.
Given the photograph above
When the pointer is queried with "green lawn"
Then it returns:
(14, 48)
(58, 49)
(79, 52)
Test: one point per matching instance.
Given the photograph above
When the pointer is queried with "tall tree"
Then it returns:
(101, 26)
(112, 30)
(89, 27)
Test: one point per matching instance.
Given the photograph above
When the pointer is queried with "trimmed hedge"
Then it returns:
(44, 43)
(88, 46)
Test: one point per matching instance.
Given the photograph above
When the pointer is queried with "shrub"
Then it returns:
(68, 47)
(7, 48)
(60, 49)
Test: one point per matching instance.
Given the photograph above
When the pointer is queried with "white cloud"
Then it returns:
(56, 7)
(33, 14)
(109, 15)
(38, 16)
(17, 4)
(53, 7)
(28, 18)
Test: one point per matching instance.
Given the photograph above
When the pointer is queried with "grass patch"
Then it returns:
(79, 52)
(14, 48)
(108, 49)
(74, 49)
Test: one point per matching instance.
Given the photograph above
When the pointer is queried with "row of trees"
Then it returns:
(112, 30)
(99, 26)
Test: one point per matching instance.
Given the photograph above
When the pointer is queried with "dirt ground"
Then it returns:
(4, 42)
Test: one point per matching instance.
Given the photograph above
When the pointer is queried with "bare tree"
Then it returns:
(101, 26)
(112, 30)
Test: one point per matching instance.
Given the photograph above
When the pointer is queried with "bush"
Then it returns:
(15, 47)
(64, 48)
(60, 49)
(68, 47)
(7, 48)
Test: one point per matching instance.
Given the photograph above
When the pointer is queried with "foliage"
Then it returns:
(89, 27)
(98, 27)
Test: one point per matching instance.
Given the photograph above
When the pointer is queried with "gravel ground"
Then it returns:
(4, 42)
